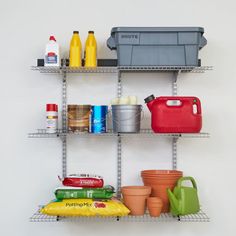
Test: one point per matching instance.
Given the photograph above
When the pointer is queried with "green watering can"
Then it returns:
(184, 200)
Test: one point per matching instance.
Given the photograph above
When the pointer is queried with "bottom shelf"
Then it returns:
(164, 217)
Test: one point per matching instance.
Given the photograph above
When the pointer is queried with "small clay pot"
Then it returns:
(154, 205)
(135, 198)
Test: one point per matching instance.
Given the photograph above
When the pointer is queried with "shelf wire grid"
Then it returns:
(42, 133)
(82, 70)
(201, 217)
(56, 70)
(91, 70)
(164, 217)
(47, 70)
(192, 69)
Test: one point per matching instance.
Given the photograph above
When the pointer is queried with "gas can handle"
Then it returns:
(187, 178)
(179, 101)
(174, 98)
(197, 102)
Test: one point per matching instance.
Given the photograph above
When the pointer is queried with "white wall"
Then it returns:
(29, 167)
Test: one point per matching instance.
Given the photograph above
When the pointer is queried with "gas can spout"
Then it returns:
(149, 101)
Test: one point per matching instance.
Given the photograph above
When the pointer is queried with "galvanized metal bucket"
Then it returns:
(126, 118)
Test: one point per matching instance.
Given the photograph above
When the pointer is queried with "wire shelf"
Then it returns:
(192, 69)
(47, 70)
(200, 217)
(164, 217)
(57, 70)
(42, 133)
(90, 70)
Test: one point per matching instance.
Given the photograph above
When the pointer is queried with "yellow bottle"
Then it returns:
(90, 53)
(75, 50)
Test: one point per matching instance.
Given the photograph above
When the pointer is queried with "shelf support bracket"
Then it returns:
(119, 85)
(174, 139)
(119, 165)
(174, 82)
(119, 142)
(64, 125)
(174, 153)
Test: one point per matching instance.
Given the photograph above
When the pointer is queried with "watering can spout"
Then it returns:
(173, 200)
(149, 101)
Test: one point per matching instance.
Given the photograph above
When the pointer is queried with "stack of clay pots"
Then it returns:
(159, 181)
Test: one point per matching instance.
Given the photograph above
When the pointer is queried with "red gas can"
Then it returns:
(175, 114)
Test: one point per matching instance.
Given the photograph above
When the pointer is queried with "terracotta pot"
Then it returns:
(154, 205)
(160, 178)
(135, 198)
(160, 182)
(163, 175)
(160, 190)
(162, 172)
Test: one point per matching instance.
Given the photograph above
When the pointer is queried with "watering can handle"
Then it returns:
(187, 178)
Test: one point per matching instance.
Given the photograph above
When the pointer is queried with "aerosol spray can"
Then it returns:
(51, 118)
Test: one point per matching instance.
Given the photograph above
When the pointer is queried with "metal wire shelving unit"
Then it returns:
(63, 134)
(164, 217)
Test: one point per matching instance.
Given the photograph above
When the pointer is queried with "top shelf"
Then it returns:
(59, 70)
(191, 69)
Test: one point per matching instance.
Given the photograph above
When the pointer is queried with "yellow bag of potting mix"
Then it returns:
(85, 207)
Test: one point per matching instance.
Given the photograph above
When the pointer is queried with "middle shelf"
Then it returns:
(42, 133)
